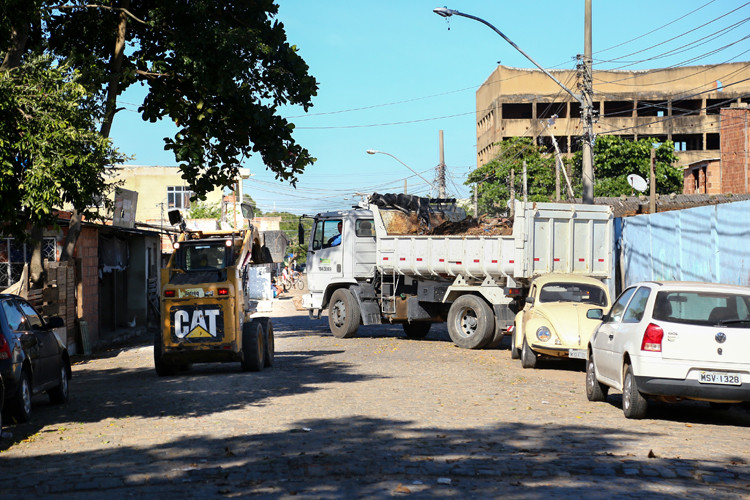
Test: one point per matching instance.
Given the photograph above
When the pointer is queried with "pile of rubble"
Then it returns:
(484, 226)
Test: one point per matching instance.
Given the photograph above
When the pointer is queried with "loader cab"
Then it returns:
(341, 248)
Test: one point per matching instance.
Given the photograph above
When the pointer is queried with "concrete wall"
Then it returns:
(698, 244)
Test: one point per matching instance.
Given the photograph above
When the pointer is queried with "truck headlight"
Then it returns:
(543, 333)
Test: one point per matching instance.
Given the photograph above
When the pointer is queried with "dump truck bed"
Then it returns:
(546, 238)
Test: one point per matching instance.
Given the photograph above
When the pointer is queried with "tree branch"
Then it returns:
(96, 6)
(151, 75)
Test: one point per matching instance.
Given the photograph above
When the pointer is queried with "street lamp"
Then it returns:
(584, 100)
(373, 151)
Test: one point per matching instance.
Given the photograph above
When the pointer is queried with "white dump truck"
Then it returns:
(378, 263)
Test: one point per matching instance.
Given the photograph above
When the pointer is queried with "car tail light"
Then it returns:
(652, 338)
(513, 292)
(169, 293)
(4, 348)
(223, 291)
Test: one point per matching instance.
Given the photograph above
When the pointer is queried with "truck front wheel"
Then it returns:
(471, 323)
(343, 314)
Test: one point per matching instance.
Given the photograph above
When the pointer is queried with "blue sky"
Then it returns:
(392, 74)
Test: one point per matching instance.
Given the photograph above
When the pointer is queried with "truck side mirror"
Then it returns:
(301, 234)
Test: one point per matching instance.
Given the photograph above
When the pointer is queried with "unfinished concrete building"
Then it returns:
(680, 104)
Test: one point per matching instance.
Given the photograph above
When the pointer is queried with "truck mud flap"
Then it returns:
(505, 314)
(369, 309)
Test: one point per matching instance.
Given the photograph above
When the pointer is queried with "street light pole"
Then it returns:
(584, 100)
(373, 151)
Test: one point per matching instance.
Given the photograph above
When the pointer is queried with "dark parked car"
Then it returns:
(32, 358)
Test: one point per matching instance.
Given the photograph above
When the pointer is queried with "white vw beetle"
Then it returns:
(553, 322)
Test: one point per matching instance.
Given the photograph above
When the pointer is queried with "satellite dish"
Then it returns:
(637, 182)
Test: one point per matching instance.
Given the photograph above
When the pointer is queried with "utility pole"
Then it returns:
(587, 116)
(585, 100)
(652, 184)
(440, 181)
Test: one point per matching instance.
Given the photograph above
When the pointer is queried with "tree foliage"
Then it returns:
(494, 178)
(50, 151)
(616, 157)
(218, 70)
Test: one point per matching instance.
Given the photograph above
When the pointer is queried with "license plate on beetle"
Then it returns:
(720, 378)
(577, 353)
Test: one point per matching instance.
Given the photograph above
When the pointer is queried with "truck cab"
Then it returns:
(338, 259)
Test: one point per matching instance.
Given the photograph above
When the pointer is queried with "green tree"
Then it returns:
(203, 210)
(50, 152)
(218, 70)
(616, 157)
(494, 178)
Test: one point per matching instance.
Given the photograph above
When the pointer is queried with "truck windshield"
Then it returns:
(203, 257)
(573, 292)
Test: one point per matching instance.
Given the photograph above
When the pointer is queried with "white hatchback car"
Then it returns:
(672, 341)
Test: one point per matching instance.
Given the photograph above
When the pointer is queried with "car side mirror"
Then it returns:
(530, 301)
(595, 314)
(301, 234)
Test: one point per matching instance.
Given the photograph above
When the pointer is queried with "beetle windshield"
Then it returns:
(573, 292)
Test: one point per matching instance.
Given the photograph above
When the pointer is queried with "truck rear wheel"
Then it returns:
(343, 314)
(417, 330)
(471, 323)
(252, 346)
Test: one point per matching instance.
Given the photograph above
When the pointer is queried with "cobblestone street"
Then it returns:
(373, 416)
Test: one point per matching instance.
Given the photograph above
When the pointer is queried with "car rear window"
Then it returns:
(703, 308)
(573, 292)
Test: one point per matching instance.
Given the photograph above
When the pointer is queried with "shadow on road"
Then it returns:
(369, 457)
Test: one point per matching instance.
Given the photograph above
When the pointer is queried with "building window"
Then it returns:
(178, 197)
(13, 255)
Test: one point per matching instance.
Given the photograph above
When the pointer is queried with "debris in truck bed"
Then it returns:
(484, 226)
(412, 215)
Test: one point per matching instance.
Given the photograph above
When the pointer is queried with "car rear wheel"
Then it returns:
(252, 346)
(634, 405)
(20, 407)
(417, 330)
(595, 390)
(528, 357)
(61, 393)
